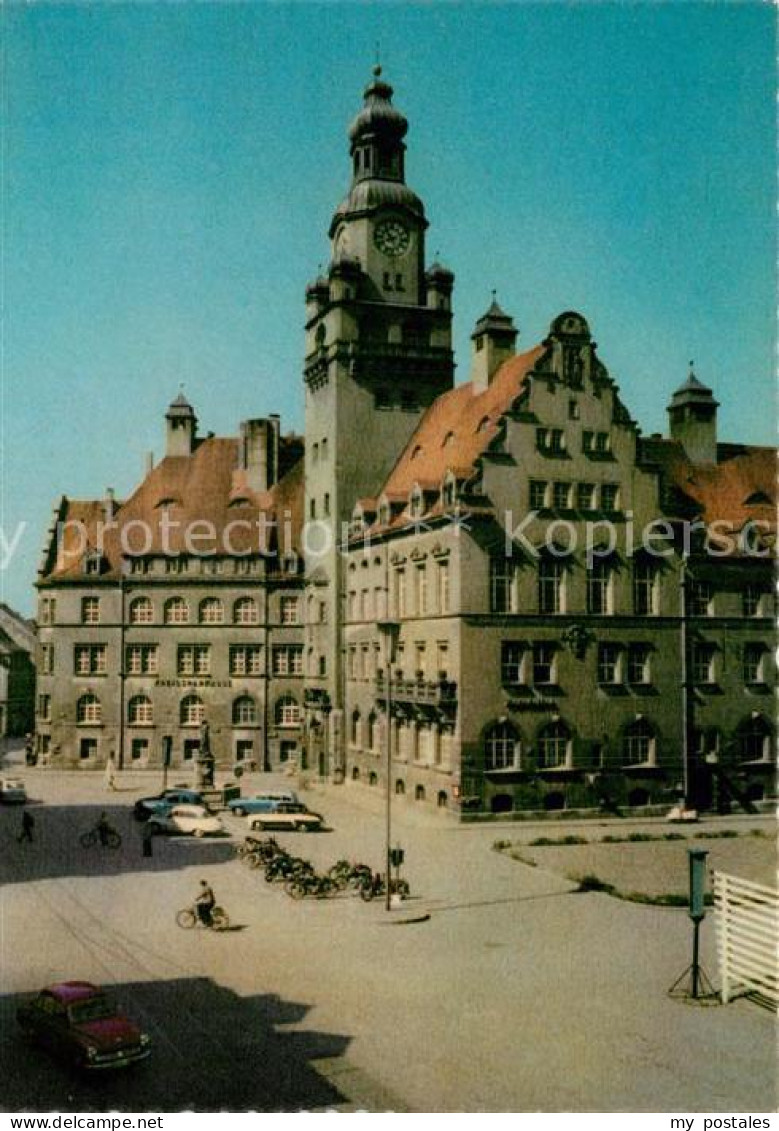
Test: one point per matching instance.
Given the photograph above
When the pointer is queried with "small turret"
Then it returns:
(181, 429)
(692, 417)
(439, 284)
(494, 341)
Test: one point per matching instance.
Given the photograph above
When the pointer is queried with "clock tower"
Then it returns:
(378, 353)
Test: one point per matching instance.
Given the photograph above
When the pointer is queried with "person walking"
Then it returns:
(28, 824)
(110, 772)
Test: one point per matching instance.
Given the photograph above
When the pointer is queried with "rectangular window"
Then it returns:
(442, 659)
(193, 659)
(543, 664)
(420, 666)
(700, 599)
(511, 657)
(139, 749)
(599, 588)
(352, 662)
(365, 661)
(400, 593)
(588, 442)
(602, 443)
(443, 587)
(288, 660)
(47, 659)
(47, 610)
(538, 489)
(141, 659)
(44, 708)
(753, 663)
(609, 497)
(703, 664)
(644, 588)
(290, 611)
(585, 496)
(421, 573)
(550, 441)
(90, 659)
(90, 610)
(751, 600)
(562, 496)
(551, 585)
(639, 664)
(245, 659)
(609, 656)
(503, 594)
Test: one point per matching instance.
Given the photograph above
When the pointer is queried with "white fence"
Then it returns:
(747, 937)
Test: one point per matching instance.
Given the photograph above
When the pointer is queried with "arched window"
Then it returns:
(191, 711)
(400, 787)
(89, 709)
(373, 732)
(244, 711)
(419, 793)
(140, 711)
(501, 747)
(176, 611)
(638, 743)
(211, 611)
(287, 713)
(354, 733)
(554, 744)
(141, 611)
(753, 740)
(245, 611)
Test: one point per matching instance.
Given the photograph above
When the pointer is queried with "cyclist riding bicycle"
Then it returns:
(205, 903)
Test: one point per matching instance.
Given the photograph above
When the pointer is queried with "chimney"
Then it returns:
(109, 504)
(260, 452)
(148, 464)
(692, 416)
(494, 341)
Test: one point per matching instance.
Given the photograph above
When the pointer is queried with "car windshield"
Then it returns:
(91, 1009)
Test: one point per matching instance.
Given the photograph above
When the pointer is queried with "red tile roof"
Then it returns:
(740, 487)
(458, 427)
(180, 500)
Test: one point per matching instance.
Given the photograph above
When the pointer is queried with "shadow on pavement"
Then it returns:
(55, 850)
(211, 1051)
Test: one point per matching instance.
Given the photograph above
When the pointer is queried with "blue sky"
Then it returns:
(169, 173)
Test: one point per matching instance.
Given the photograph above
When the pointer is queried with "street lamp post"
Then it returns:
(389, 629)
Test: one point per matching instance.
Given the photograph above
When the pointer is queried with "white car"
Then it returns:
(192, 820)
(286, 815)
(12, 791)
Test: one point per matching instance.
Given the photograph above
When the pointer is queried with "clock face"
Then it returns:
(392, 238)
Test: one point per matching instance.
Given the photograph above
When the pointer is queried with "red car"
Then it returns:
(77, 1022)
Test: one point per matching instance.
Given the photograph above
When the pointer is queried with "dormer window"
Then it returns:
(166, 502)
(416, 506)
(384, 513)
(482, 424)
(240, 501)
(448, 438)
(449, 491)
(93, 564)
(757, 499)
(416, 451)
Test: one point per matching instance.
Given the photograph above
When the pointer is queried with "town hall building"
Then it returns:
(500, 592)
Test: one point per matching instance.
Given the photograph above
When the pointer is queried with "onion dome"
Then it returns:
(437, 270)
(378, 116)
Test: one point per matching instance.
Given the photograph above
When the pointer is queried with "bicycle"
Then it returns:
(188, 918)
(106, 838)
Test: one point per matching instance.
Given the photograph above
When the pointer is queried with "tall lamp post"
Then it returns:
(389, 629)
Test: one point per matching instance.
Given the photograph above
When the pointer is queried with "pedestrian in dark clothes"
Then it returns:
(28, 824)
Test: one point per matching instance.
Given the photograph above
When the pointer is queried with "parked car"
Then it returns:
(12, 791)
(77, 1022)
(145, 806)
(192, 820)
(286, 815)
(261, 802)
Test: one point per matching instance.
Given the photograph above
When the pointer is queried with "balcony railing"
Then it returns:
(440, 693)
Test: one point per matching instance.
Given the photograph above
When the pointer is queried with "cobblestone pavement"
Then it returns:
(515, 995)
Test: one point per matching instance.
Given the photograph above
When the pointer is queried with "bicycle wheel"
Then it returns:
(86, 840)
(219, 919)
(186, 918)
(112, 839)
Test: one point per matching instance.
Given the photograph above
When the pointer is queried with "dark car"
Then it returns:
(78, 1023)
(145, 806)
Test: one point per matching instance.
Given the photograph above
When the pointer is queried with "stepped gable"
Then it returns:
(458, 428)
(739, 488)
(204, 488)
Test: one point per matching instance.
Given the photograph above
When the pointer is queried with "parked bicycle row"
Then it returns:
(301, 880)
